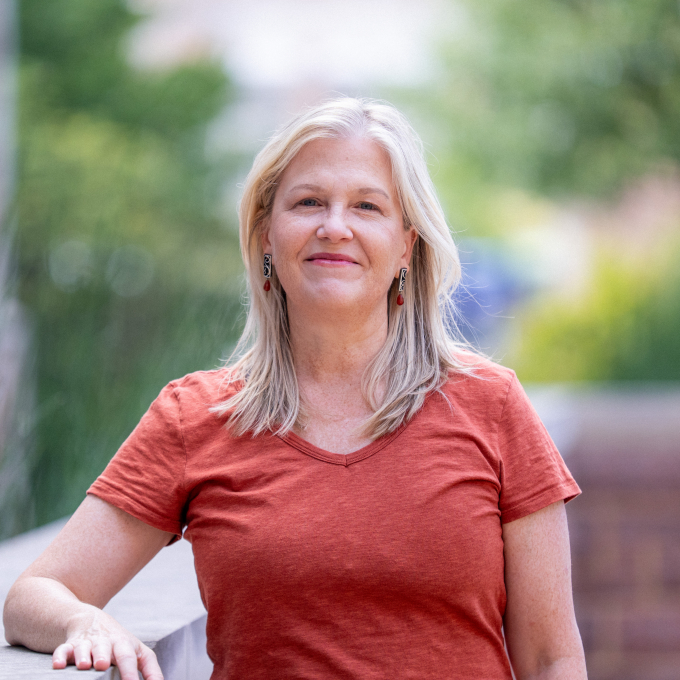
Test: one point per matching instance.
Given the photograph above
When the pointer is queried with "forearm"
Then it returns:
(39, 612)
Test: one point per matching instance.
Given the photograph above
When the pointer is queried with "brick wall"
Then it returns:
(624, 451)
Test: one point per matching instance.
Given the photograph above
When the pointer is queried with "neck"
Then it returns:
(335, 346)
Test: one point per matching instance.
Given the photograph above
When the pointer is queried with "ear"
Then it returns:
(410, 238)
(264, 238)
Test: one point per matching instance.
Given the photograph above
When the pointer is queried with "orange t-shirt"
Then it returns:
(383, 563)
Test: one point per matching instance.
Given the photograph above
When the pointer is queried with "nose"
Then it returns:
(334, 226)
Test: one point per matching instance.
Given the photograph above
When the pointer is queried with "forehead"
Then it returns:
(350, 159)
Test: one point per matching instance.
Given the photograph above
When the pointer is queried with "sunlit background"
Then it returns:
(552, 130)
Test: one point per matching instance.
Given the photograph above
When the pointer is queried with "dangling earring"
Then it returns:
(267, 270)
(402, 281)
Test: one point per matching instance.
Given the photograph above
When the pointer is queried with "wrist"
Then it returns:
(81, 618)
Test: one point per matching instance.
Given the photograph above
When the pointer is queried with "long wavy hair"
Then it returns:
(423, 345)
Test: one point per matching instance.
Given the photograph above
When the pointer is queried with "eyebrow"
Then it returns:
(363, 191)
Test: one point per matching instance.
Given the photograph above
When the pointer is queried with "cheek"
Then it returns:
(285, 237)
(386, 254)
(287, 240)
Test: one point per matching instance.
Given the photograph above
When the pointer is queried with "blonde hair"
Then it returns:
(420, 351)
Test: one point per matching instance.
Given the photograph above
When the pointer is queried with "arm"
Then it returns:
(55, 605)
(540, 627)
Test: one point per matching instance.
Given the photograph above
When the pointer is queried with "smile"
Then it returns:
(332, 259)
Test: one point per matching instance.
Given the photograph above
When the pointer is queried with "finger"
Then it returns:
(101, 654)
(82, 652)
(62, 655)
(125, 658)
(148, 664)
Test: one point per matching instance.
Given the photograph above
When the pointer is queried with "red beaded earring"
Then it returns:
(267, 269)
(402, 281)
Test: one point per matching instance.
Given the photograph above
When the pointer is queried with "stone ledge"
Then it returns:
(161, 606)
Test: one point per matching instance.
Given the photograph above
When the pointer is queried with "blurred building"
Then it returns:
(284, 55)
(622, 443)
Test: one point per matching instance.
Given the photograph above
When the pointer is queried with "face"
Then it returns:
(336, 232)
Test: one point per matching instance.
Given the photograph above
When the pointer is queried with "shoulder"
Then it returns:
(217, 383)
(479, 376)
(478, 390)
(199, 391)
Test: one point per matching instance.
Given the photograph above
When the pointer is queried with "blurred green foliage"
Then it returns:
(566, 99)
(560, 96)
(626, 328)
(130, 276)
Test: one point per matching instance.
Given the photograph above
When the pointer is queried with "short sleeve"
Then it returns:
(146, 476)
(533, 474)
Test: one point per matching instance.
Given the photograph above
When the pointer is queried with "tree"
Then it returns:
(567, 99)
(129, 274)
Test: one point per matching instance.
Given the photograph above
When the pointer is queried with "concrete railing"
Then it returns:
(161, 606)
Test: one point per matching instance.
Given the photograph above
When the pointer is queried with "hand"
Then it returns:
(96, 639)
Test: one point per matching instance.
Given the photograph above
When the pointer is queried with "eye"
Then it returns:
(364, 205)
(308, 202)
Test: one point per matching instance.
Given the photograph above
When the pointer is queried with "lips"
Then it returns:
(340, 258)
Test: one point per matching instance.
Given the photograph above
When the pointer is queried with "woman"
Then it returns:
(365, 498)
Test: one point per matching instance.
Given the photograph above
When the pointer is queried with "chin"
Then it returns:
(332, 297)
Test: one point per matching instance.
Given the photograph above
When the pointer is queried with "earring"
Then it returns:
(402, 281)
(267, 270)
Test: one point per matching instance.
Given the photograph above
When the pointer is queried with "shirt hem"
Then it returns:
(108, 493)
(564, 492)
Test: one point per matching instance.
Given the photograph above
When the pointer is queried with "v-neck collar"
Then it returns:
(344, 459)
